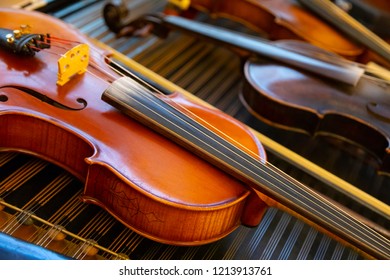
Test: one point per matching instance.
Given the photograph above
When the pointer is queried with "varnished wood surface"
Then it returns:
(279, 235)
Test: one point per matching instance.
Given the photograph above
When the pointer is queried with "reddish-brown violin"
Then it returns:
(90, 123)
(146, 181)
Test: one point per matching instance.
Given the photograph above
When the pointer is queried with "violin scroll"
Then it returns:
(118, 22)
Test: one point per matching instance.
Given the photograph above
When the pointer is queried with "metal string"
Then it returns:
(274, 172)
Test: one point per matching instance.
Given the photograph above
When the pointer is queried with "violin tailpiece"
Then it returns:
(21, 42)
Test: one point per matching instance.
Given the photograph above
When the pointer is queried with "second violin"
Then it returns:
(301, 87)
(280, 20)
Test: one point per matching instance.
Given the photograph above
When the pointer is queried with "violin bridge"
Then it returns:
(74, 61)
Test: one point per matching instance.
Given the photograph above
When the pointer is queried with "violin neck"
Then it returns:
(343, 72)
(349, 25)
(145, 106)
(375, 15)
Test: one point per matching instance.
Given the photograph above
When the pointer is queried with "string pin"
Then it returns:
(10, 38)
(17, 33)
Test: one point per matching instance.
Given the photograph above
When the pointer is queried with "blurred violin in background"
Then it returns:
(114, 130)
(285, 19)
(297, 86)
(281, 19)
(351, 27)
(373, 14)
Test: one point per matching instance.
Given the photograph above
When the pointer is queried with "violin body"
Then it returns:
(296, 100)
(146, 181)
(281, 19)
(374, 14)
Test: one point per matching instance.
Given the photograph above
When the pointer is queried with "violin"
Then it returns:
(173, 171)
(282, 20)
(296, 86)
(374, 14)
(342, 20)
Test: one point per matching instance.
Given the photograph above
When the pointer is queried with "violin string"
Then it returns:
(60, 46)
(239, 144)
(63, 41)
(320, 55)
(346, 215)
(95, 51)
(277, 170)
(271, 167)
(133, 75)
(125, 70)
(129, 73)
(290, 179)
(336, 60)
(92, 64)
(375, 74)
